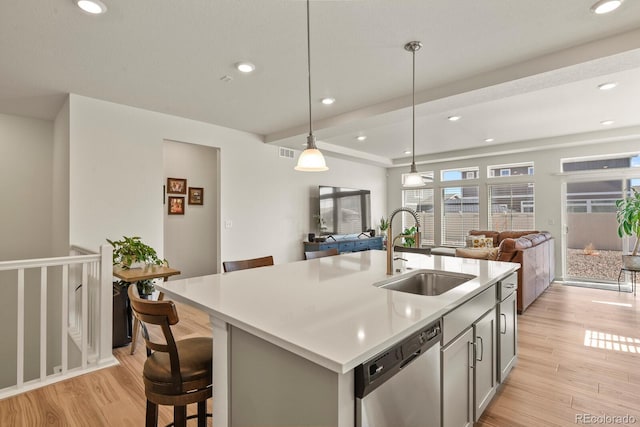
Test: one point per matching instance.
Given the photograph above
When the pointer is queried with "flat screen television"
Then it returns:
(344, 210)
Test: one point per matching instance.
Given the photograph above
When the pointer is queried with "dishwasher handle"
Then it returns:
(411, 358)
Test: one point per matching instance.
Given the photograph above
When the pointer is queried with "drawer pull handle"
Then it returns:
(504, 323)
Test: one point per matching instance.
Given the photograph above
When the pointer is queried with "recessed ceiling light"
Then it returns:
(489, 140)
(605, 6)
(607, 86)
(361, 137)
(328, 101)
(245, 67)
(94, 7)
(407, 151)
(454, 118)
(607, 122)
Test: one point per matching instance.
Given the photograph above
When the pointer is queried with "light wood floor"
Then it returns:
(110, 397)
(557, 377)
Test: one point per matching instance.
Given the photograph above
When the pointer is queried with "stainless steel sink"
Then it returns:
(426, 282)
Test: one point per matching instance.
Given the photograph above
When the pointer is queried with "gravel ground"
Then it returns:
(601, 265)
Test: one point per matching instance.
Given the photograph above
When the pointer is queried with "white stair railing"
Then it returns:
(81, 286)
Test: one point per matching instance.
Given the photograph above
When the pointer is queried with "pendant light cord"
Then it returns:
(309, 66)
(413, 110)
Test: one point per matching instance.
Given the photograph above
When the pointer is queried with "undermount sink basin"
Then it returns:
(426, 282)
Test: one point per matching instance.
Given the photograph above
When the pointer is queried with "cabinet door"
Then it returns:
(457, 386)
(507, 337)
(485, 362)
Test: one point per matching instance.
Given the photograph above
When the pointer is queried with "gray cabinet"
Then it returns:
(469, 359)
(484, 362)
(457, 381)
(507, 326)
(507, 336)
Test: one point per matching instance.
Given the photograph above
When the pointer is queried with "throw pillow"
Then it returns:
(470, 239)
(483, 242)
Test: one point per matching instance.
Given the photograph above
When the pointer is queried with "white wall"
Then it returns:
(59, 233)
(25, 187)
(191, 240)
(116, 174)
(25, 229)
(546, 155)
(60, 183)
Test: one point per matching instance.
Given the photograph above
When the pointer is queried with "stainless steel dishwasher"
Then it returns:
(401, 385)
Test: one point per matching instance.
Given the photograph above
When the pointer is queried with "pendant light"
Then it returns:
(414, 179)
(311, 159)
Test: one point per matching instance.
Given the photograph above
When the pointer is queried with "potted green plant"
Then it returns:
(628, 217)
(410, 240)
(131, 252)
(383, 226)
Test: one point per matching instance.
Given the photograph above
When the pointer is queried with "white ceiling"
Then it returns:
(514, 70)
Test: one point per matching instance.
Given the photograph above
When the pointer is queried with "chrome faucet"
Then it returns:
(391, 240)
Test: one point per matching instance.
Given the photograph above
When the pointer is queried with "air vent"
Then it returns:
(287, 153)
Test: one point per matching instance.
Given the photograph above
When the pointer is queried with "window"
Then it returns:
(459, 174)
(460, 211)
(427, 177)
(422, 202)
(515, 169)
(618, 162)
(593, 197)
(511, 207)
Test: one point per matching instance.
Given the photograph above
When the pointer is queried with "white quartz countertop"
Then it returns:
(327, 309)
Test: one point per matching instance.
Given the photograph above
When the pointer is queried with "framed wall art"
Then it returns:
(176, 186)
(196, 195)
(176, 205)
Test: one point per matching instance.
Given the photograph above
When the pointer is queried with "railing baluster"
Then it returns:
(20, 359)
(43, 323)
(85, 315)
(65, 318)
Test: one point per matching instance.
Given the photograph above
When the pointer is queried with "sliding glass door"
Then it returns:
(593, 248)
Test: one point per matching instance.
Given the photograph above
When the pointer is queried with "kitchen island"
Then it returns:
(287, 337)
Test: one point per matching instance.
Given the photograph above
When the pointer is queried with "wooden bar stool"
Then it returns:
(175, 373)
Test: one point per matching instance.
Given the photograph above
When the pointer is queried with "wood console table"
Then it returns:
(133, 275)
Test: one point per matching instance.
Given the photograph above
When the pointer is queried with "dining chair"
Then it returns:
(320, 254)
(247, 263)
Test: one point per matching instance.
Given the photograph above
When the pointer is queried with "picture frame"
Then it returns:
(176, 185)
(196, 195)
(175, 205)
